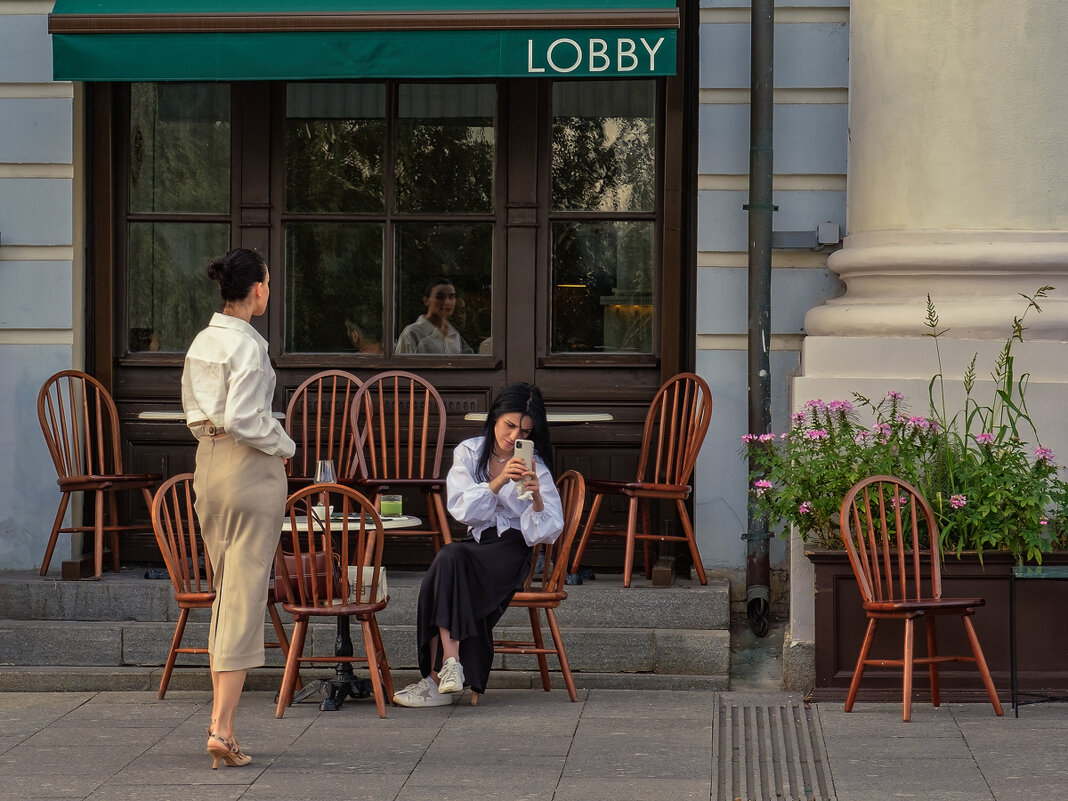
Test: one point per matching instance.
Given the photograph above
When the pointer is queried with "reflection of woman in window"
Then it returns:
(432, 332)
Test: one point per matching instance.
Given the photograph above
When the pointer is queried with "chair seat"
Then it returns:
(639, 489)
(195, 600)
(334, 610)
(538, 598)
(950, 606)
(125, 481)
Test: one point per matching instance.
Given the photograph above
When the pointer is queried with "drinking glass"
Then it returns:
(324, 472)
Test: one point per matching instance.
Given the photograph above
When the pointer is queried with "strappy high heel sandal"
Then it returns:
(226, 751)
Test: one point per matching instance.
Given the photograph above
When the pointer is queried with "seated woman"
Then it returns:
(470, 582)
(432, 332)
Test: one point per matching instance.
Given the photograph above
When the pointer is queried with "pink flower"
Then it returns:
(816, 403)
(805, 508)
(747, 438)
(958, 501)
(797, 418)
(760, 486)
(985, 438)
(863, 437)
(840, 406)
(818, 433)
(1044, 455)
(767, 438)
(1043, 522)
(894, 395)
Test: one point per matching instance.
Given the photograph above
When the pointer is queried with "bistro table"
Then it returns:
(344, 683)
(562, 418)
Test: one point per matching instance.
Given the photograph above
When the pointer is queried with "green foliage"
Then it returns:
(989, 487)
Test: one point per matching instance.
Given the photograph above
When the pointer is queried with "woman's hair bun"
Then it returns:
(219, 269)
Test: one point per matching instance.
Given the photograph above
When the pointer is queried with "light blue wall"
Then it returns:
(36, 283)
(810, 120)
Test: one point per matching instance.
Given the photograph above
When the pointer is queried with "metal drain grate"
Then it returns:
(767, 748)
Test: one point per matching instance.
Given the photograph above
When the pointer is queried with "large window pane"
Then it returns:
(428, 254)
(171, 297)
(445, 148)
(603, 145)
(602, 287)
(335, 146)
(180, 147)
(333, 287)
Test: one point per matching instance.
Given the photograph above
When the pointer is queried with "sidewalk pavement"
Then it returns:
(526, 744)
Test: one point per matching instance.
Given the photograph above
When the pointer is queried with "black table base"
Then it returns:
(344, 683)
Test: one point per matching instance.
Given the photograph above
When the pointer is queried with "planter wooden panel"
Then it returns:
(1041, 631)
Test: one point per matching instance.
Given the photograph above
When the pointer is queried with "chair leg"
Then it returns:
(64, 499)
(98, 536)
(687, 526)
(980, 662)
(371, 649)
(558, 641)
(283, 640)
(113, 518)
(289, 678)
(383, 662)
(576, 561)
(443, 518)
(176, 642)
(539, 645)
(647, 545)
(906, 683)
(632, 523)
(858, 671)
(932, 668)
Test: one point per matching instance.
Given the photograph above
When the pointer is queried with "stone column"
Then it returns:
(957, 188)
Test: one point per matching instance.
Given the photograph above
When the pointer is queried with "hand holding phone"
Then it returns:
(524, 449)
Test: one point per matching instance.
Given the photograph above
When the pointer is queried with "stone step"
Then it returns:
(118, 630)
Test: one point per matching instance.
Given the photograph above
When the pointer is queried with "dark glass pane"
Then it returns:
(333, 287)
(445, 147)
(171, 297)
(603, 146)
(180, 147)
(602, 287)
(335, 146)
(459, 252)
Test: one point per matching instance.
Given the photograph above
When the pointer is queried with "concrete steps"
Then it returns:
(115, 633)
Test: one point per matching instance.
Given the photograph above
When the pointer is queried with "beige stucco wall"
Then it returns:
(958, 115)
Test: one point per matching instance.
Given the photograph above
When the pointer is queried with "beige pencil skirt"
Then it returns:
(240, 502)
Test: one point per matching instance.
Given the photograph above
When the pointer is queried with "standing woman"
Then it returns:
(470, 583)
(240, 481)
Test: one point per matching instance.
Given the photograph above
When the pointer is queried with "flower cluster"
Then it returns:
(800, 477)
(988, 487)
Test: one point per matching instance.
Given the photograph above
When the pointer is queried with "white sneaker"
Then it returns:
(423, 693)
(451, 677)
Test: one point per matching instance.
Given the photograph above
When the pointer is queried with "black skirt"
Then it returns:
(466, 590)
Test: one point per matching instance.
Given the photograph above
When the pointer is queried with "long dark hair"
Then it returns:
(525, 399)
(236, 273)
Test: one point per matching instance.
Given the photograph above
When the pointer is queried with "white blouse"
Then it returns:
(423, 336)
(228, 380)
(475, 505)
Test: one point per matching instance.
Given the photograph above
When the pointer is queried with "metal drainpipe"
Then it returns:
(760, 208)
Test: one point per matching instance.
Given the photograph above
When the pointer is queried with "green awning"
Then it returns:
(242, 40)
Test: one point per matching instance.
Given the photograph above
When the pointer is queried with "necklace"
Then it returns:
(498, 459)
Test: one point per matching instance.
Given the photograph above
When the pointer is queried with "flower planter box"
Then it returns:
(1041, 624)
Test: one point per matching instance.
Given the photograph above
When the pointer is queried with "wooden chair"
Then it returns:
(675, 427)
(318, 420)
(81, 428)
(174, 522)
(551, 593)
(313, 577)
(883, 519)
(399, 420)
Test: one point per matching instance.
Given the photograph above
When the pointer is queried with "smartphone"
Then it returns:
(524, 449)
